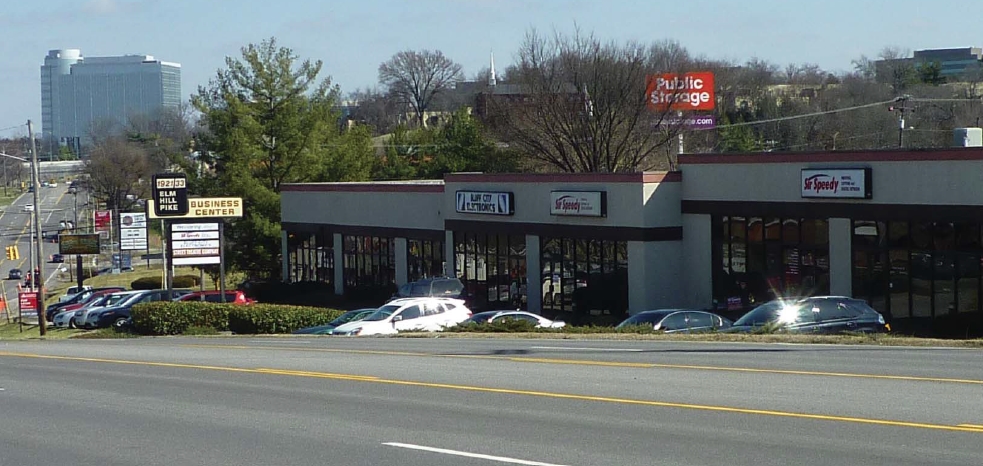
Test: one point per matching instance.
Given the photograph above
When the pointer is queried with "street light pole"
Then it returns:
(39, 243)
(75, 225)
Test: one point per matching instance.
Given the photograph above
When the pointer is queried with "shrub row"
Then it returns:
(522, 326)
(175, 318)
(156, 283)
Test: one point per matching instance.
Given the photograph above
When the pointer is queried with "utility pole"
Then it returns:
(39, 244)
(901, 114)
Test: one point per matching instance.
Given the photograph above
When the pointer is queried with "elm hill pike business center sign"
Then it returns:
(191, 239)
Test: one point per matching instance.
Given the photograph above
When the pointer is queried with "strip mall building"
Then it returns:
(900, 229)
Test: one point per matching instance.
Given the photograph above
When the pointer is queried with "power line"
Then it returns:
(794, 117)
(12, 127)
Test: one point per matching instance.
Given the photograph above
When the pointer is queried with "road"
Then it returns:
(15, 229)
(443, 401)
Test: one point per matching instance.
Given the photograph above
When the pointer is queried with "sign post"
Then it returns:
(170, 199)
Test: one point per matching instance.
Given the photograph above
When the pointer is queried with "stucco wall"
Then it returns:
(377, 209)
(956, 182)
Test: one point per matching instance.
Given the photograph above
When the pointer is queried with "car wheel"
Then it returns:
(71, 324)
(120, 322)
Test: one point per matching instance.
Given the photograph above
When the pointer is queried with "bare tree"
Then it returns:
(577, 105)
(378, 109)
(118, 171)
(417, 77)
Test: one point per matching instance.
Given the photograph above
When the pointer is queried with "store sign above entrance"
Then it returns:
(484, 202)
(579, 203)
(837, 183)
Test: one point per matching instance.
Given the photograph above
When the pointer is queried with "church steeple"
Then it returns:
(492, 80)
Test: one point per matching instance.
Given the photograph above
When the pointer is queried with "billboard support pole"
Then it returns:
(78, 270)
(221, 259)
(168, 271)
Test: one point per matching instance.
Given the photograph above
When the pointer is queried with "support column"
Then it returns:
(534, 275)
(285, 254)
(449, 257)
(840, 257)
(402, 274)
(339, 263)
(697, 261)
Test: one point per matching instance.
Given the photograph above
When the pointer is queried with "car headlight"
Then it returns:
(880, 319)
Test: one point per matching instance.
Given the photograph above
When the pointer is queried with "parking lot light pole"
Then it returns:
(75, 224)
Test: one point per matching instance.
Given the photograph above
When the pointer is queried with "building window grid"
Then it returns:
(580, 264)
(369, 262)
(762, 258)
(492, 268)
(310, 257)
(957, 264)
(424, 259)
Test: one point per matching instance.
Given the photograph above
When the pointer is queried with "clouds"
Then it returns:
(114, 7)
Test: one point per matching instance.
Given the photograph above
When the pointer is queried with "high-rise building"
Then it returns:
(77, 92)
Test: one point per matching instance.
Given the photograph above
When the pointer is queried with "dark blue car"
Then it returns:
(818, 314)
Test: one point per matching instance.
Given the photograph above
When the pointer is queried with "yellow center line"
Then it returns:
(509, 391)
(639, 365)
(972, 426)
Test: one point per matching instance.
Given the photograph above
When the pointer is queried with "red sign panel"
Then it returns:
(28, 302)
(103, 220)
(672, 91)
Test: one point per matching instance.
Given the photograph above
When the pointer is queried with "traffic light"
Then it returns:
(16, 252)
(10, 252)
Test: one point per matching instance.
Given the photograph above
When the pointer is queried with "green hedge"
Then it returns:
(175, 318)
(278, 318)
(156, 283)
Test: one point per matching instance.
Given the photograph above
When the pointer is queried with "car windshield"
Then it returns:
(419, 289)
(382, 313)
(772, 312)
(116, 298)
(482, 317)
(351, 316)
(644, 318)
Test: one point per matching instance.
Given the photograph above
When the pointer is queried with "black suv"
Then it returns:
(437, 287)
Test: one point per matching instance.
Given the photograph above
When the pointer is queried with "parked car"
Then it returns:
(15, 274)
(350, 316)
(422, 314)
(499, 316)
(28, 207)
(57, 258)
(215, 296)
(818, 314)
(117, 314)
(437, 287)
(79, 300)
(678, 320)
(112, 299)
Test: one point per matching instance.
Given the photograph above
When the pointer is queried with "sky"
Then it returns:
(353, 37)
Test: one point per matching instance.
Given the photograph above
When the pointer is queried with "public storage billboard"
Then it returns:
(688, 91)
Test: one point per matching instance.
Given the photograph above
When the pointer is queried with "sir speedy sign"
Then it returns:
(848, 183)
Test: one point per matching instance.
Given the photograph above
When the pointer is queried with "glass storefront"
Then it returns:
(424, 259)
(492, 268)
(584, 276)
(310, 257)
(761, 258)
(370, 265)
(918, 269)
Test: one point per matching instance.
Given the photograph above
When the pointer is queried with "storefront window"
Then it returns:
(370, 265)
(584, 276)
(424, 259)
(492, 268)
(932, 269)
(761, 258)
(310, 257)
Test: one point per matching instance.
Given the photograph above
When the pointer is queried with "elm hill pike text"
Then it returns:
(168, 201)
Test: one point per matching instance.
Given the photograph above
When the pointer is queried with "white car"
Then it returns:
(497, 316)
(28, 207)
(63, 319)
(422, 314)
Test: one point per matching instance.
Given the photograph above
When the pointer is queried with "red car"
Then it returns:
(215, 296)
